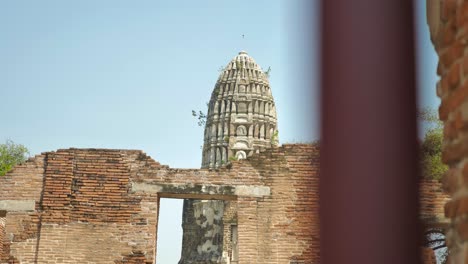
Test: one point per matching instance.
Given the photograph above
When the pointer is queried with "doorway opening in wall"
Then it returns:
(169, 244)
(197, 231)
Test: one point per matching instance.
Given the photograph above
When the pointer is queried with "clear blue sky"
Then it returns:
(126, 74)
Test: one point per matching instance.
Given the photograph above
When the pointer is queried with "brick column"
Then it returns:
(448, 22)
(247, 230)
(3, 254)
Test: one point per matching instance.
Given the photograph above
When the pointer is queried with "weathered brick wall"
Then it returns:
(88, 186)
(101, 206)
(448, 22)
(23, 183)
(229, 220)
(428, 256)
(432, 201)
(271, 229)
(288, 219)
(29, 176)
(3, 255)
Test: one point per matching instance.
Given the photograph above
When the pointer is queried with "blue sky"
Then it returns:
(126, 74)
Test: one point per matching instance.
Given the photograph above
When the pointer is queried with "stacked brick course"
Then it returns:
(428, 256)
(81, 189)
(432, 202)
(448, 22)
(101, 206)
(3, 255)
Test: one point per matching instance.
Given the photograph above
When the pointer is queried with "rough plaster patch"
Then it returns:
(253, 191)
(144, 187)
(256, 191)
(17, 205)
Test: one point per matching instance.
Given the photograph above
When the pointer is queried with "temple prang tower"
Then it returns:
(241, 121)
(241, 118)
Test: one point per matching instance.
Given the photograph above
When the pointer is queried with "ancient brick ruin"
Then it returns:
(241, 121)
(448, 23)
(101, 206)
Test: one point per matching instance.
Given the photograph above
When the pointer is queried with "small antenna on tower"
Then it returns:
(243, 41)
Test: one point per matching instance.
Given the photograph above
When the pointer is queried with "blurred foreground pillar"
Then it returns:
(369, 174)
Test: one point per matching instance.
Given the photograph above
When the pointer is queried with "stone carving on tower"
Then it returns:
(241, 121)
(241, 117)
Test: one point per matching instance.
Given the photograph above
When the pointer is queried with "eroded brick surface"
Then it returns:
(428, 256)
(448, 21)
(3, 254)
(89, 210)
(432, 202)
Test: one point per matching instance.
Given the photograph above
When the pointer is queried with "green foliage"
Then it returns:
(232, 158)
(200, 116)
(431, 146)
(430, 116)
(274, 138)
(10, 155)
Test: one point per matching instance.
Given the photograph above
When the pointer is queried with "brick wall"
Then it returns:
(448, 22)
(3, 255)
(24, 182)
(101, 206)
(432, 201)
(229, 220)
(428, 256)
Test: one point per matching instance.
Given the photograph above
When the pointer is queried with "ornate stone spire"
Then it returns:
(241, 118)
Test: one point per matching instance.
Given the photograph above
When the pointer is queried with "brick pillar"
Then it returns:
(428, 256)
(448, 23)
(3, 254)
(247, 230)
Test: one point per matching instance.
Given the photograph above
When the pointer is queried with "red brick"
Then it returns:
(450, 181)
(451, 102)
(462, 14)
(449, 33)
(454, 75)
(449, 56)
(462, 230)
(450, 132)
(450, 209)
(84, 194)
(448, 9)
